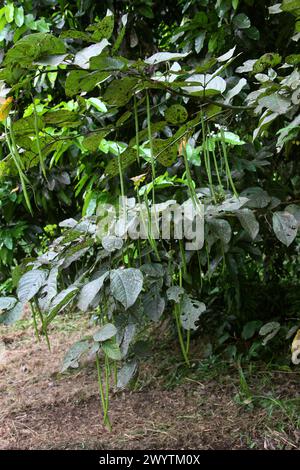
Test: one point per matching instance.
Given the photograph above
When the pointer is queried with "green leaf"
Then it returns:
(175, 293)
(89, 292)
(154, 304)
(228, 55)
(221, 228)
(191, 310)
(49, 291)
(165, 152)
(269, 330)
(235, 90)
(276, 103)
(105, 332)
(126, 285)
(79, 81)
(295, 211)
(204, 84)
(176, 114)
(33, 46)
(83, 57)
(61, 301)
(285, 227)
(97, 104)
(92, 141)
(30, 283)
(258, 198)
(104, 62)
(75, 34)
(6, 303)
(62, 118)
(9, 12)
(104, 28)
(160, 57)
(292, 6)
(270, 59)
(248, 222)
(13, 315)
(241, 21)
(228, 138)
(127, 158)
(74, 353)
(125, 374)
(121, 34)
(112, 243)
(250, 329)
(112, 350)
(120, 91)
(199, 41)
(19, 16)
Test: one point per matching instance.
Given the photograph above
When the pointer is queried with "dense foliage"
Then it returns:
(190, 101)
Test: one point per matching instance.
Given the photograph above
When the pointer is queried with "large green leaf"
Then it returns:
(154, 304)
(30, 283)
(126, 373)
(60, 301)
(127, 158)
(248, 222)
(112, 350)
(83, 57)
(89, 292)
(176, 114)
(204, 84)
(79, 81)
(31, 47)
(120, 91)
(126, 285)
(221, 228)
(104, 28)
(62, 118)
(285, 227)
(104, 333)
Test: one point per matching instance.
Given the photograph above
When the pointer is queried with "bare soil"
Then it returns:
(40, 408)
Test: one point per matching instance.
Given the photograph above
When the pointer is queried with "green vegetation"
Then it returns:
(196, 104)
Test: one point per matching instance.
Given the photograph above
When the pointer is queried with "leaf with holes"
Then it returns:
(120, 91)
(191, 310)
(176, 114)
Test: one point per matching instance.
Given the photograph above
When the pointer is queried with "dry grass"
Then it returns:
(43, 409)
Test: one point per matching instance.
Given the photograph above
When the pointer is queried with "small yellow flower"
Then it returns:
(137, 180)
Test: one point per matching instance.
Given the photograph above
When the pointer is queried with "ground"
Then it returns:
(212, 406)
